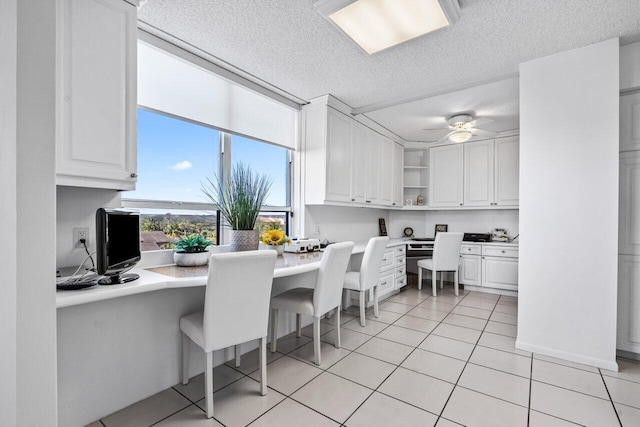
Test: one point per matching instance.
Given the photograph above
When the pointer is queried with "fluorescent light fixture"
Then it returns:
(460, 136)
(376, 25)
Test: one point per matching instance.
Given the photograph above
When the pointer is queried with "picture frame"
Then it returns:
(441, 228)
(383, 226)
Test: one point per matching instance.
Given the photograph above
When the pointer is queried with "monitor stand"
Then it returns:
(118, 279)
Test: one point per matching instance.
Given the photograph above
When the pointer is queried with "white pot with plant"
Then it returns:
(191, 251)
(275, 239)
(239, 197)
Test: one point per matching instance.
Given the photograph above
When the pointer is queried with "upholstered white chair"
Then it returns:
(446, 257)
(236, 310)
(316, 302)
(367, 278)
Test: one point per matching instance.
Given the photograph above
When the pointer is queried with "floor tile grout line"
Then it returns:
(615, 410)
(572, 390)
(530, 387)
(172, 414)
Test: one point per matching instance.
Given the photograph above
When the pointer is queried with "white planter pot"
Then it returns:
(194, 259)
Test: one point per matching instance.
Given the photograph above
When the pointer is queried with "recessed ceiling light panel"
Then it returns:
(376, 25)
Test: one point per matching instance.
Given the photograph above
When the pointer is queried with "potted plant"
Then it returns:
(276, 240)
(239, 197)
(191, 251)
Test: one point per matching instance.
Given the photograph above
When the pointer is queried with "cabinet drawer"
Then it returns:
(400, 250)
(501, 251)
(385, 282)
(387, 260)
(401, 281)
(400, 260)
(400, 271)
(470, 250)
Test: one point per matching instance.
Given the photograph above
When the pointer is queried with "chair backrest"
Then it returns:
(236, 305)
(446, 251)
(333, 267)
(370, 268)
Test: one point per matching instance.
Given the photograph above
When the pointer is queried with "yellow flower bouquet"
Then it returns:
(275, 238)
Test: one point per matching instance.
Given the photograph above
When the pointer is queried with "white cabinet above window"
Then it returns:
(96, 104)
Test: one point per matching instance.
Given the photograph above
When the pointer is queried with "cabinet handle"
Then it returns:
(503, 252)
(384, 259)
(393, 204)
(368, 201)
(384, 283)
(460, 204)
(353, 200)
(133, 175)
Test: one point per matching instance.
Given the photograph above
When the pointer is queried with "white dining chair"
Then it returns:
(316, 302)
(236, 310)
(446, 257)
(367, 278)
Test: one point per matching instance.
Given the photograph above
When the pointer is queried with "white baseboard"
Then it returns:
(572, 357)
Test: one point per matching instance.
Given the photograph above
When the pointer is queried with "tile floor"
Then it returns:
(444, 361)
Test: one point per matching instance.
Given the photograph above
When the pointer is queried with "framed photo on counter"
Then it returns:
(441, 228)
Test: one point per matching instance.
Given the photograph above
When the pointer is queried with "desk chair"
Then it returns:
(316, 302)
(367, 278)
(446, 257)
(236, 310)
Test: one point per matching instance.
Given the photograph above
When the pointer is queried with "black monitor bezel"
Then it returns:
(103, 267)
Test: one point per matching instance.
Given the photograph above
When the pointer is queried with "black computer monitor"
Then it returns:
(118, 244)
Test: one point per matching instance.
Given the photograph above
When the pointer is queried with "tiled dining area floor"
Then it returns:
(445, 361)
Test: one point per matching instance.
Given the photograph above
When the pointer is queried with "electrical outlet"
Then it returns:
(80, 233)
(316, 229)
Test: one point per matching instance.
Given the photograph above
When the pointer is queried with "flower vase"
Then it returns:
(244, 240)
(278, 248)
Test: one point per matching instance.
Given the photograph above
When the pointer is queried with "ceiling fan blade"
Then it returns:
(479, 122)
(444, 128)
(481, 132)
(446, 137)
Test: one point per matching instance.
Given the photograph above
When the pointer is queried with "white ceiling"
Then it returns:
(287, 44)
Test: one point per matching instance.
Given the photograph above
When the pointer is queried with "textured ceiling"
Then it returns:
(287, 44)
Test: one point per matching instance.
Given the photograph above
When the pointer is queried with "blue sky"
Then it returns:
(174, 156)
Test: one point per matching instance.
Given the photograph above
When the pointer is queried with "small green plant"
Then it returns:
(192, 244)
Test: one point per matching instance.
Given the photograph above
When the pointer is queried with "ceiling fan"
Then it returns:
(462, 127)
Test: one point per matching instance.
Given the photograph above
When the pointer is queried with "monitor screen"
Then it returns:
(118, 241)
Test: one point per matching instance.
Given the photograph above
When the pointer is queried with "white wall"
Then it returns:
(36, 390)
(339, 223)
(8, 213)
(77, 207)
(476, 221)
(569, 204)
(630, 67)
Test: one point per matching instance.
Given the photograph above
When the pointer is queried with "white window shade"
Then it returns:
(172, 85)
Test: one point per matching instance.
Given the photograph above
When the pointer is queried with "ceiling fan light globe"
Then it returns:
(460, 136)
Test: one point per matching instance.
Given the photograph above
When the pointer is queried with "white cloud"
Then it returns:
(180, 166)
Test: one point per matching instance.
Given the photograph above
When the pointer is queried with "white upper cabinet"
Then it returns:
(507, 183)
(630, 122)
(478, 173)
(372, 165)
(358, 157)
(386, 171)
(96, 104)
(339, 128)
(446, 176)
(629, 214)
(398, 167)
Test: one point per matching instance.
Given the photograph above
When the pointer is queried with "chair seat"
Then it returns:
(352, 280)
(426, 263)
(191, 325)
(298, 300)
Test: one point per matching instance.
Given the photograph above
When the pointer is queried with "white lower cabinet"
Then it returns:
(470, 272)
(628, 303)
(489, 266)
(393, 274)
(500, 273)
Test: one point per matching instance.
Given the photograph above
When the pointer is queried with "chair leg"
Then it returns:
(186, 350)
(238, 354)
(434, 281)
(375, 301)
(208, 390)
(455, 282)
(298, 325)
(442, 280)
(274, 330)
(316, 340)
(263, 366)
(419, 278)
(362, 308)
(337, 342)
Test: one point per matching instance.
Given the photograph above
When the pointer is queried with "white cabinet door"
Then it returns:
(358, 163)
(628, 303)
(630, 122)
(96, 120)
(372, 164)
(386, 171)
(629, 222)
(397, 174)
(338, 157)
(478, 173)
(470, 271)
(500, 273)
(445, 176)
(507, 171)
